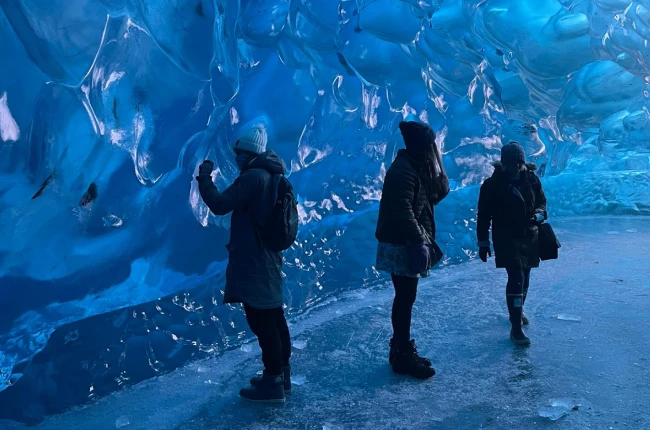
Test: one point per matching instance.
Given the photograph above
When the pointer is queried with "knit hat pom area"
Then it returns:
(418, 137)
(512, 153)
(252, 140)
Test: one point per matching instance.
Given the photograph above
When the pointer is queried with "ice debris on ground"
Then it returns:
(298, 379)
(567, 317)
(121, 422)
(559, 408)
(300, 344)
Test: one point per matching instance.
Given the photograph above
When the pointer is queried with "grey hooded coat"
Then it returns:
(253, 275)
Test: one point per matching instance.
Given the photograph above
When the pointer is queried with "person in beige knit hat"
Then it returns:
(254, 272)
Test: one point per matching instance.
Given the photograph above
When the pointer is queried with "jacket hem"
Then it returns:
(258, 305)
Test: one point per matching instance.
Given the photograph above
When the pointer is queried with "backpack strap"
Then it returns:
(276, 178)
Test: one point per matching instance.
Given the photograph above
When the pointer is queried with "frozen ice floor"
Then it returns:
(589, 368)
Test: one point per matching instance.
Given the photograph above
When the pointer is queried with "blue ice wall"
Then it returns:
(110, 265)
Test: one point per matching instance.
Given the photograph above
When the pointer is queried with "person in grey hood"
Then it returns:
(253, 275)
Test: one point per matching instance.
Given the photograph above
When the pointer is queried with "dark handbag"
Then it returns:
(435, 253)
(548, 243)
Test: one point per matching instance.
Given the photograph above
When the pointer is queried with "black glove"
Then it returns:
(419, 258)
(205, 170)
(484, 252)
(539, 218)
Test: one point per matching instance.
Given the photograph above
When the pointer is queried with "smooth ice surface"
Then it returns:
(108, 106)
(591, 374)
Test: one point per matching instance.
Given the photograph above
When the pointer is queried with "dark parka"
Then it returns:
(253, 275)
(406, 214)
(510, 208)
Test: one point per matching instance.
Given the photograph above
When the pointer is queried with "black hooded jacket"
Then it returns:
(406, 210)
(509, 207)
(253, 275)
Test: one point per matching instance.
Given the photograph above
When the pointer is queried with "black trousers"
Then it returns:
(405, 292)
(516, 292)
(518, 282)
(270, 327)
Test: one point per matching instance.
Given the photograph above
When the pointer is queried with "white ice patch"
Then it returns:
(122, 421)
(558, 408)
(299, 380)
(9, 130)
(300, 344)
(567, 317)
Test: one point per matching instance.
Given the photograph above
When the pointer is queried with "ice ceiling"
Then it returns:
(110, 266)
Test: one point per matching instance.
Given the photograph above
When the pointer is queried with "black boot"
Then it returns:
(269, 390)
(286, 371)
(393, 349)
(405, 361)
(517, 335)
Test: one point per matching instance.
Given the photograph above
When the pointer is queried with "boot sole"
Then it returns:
(264, 401)
(520, 342)
(427, 364)
(422, 378)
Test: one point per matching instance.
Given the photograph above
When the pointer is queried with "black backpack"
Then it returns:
(280, 228)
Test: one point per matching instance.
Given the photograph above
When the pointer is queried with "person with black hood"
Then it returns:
(414, 183)
(513, 202)
(253, 274)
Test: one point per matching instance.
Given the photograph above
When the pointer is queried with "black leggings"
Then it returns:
(405, 291)
(517, 286)
(270, 327)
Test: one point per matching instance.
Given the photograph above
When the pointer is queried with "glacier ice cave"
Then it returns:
(111, 267)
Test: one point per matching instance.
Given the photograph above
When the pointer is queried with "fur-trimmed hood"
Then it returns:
(498, 167)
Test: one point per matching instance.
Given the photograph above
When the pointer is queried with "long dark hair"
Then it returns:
(431, 175)
(430, 171)
(435, 178)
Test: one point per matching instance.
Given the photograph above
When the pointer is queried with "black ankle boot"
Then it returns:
(286, 371)
(269, 390)
(393, 349)
(405, 361)
(392, 352)
(517, 335)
